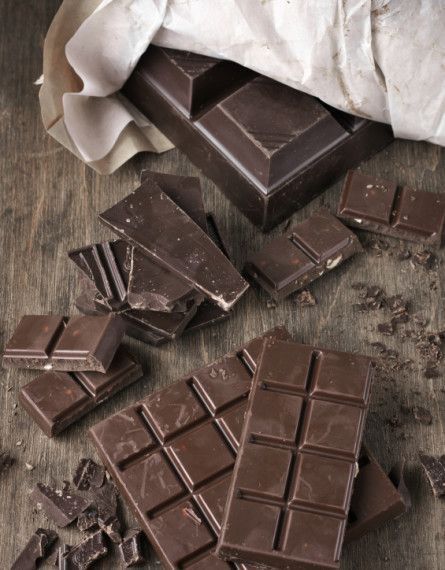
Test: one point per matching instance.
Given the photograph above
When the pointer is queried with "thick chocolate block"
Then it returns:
(383, 207)
(289, 498)
(55, 400)
(150, 220)
(303, 254)
(59, 343)
(270, 148)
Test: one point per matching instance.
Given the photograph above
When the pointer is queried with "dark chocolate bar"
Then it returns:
(303, 254)
(289, 498)
(78, 343)
(270, 148)
(150, 220)
(54, 400)
(383, 207)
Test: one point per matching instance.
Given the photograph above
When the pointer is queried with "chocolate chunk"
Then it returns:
(131, 549)
(434, 468)
(83, 555)
(62, 507)
(150, 220)
(307, 251)
(36, 550)
(383, 207)
(270, 148)
(88, 520)
(297, 483)
(422, 415)
(88, 474)
(6, 461)
(55, 400)
(58, 343)
(386, 328)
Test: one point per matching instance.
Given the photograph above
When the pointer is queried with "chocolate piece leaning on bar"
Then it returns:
(383, 207)
(150, 220)
(290, 493)
(306, 251)
(56, 399)
(49, 342)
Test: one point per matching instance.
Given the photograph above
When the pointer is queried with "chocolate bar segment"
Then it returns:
(150, 220)
(383, 207)
(270, 148)
(303, 254)
(171, 455)
(289, 497)
(54, 400)
(81, 343)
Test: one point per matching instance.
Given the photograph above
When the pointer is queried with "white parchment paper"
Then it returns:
(382, 59)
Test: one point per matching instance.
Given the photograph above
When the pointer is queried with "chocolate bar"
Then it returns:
(55, 399)
(383, 207)
(81, 343)
(271, 149)
(150, 220)
(289, 498)
(306, 251)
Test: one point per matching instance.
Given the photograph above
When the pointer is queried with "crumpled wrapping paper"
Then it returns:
(381, 59)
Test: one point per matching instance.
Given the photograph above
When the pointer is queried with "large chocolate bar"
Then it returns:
(270, 148)
(383, 207)
(59, 343)
(303, 254)
(290, 493)
(125, 442)
(150, 220)
(55, 400)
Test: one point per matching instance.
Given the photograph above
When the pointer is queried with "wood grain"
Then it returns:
(49, 203)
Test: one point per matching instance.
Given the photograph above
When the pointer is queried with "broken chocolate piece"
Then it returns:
(60, 506)
(434, 468)
(36, 550)
(84, 554)
(305, 298)
(88, 474)
(88, 520)
(131, 549)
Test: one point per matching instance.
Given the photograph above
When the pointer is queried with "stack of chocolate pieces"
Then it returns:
(83, 361)
(255, 459)
(169, 271)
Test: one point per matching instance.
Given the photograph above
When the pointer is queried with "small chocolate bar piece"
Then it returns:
(150, 220)
(304, 253)
(130, 549)
(62, 507)
(55, 400)
(376, 498)
(383, 207)
(83, 555)
(269, 147)
(434, 468)
(88, 474)
(36, 550)
(289, 497)
(171, 455)
(80, 343)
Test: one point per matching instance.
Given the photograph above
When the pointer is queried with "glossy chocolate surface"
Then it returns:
(56, 399)
(289, 497)
(270, 148)
(304, 253)
(383, 207)
(150, 220)
(80, 343)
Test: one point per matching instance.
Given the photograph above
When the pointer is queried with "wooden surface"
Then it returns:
(49, 203)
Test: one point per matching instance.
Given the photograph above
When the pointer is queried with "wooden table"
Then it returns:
(49, 202)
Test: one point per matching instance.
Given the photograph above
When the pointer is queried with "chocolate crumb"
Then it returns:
(271, 304)
(386, 328)
(6, 461)
(434, 468)
(422, 415)
(426, 259)
(305, 298)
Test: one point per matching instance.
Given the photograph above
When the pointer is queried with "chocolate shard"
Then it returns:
(60, 506)
(270, 148)
(80, 343)
(397, 476)
(36, 550)
(55, 400)
(88, 474)
(150, 220)
(87, 552)
(304, 253)
(296, 482)
(434, 468)
(131, 549)
(382, 207)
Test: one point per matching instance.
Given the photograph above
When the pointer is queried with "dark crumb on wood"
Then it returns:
(271, 304)
(394, 422)
(431, 371)
(305, 298)
(6, 461)
(426, 259)
(434, 468)
(403, 255)
(386, 328)
(422, 415)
